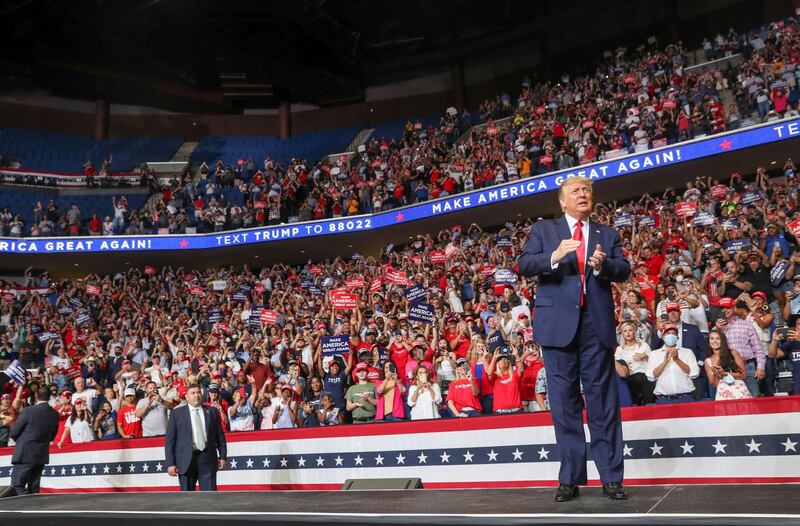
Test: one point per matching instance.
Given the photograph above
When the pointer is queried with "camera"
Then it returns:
(783, 332)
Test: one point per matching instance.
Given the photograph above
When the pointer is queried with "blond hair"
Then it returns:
(569, 181)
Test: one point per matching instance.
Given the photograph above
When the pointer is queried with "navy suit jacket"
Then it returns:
(33, 431)
(691, 338)
(557, 303)
(178, 442)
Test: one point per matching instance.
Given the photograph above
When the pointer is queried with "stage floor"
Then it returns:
(691, 504)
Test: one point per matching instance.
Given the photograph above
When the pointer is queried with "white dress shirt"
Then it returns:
(192, 417)
(572, 222)
(673, 380)
(626, 353)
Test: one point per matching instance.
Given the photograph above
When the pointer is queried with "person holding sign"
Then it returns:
(576, 260)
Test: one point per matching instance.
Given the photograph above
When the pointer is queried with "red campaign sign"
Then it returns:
(588, 123)
(197, 290)
(669, 104)
(486, 270)
(376, 285)
(450, 250)
(259, 289)
(545, 159)
(8, 296)
(149, 270)
(396, 276)
(268, 317)
(685, 209)
(73, 372)
(417, 260)
(189, 276)
(354, 283)
(224, 326)
(794, 227)
(94, 290)
(344, 300)
(719, 191)
(315, 269)
(438, 256)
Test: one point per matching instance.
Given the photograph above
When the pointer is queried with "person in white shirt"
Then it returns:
(152, 411)
(424, 396)
(82, 393)
(673, 369)
(636, 355)
(78, 425)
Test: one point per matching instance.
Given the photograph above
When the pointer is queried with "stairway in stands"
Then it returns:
(184, 152)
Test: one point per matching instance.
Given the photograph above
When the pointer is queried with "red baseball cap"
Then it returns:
(522, 316)
(669, 327)
(673, 306)
(362, 367)
(726, 303)
(759, 294)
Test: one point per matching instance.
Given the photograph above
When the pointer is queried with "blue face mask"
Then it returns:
(670, 340)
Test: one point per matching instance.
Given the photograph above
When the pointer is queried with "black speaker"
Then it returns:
(7, 491)
(370, 484)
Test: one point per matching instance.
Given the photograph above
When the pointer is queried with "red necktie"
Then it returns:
(580, 253)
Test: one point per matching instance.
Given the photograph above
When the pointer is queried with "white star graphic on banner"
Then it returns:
(145, 468)
(320, 461)
(359, 460)
(159, 467)
(52, 471)
(338, 460)
(492, 456)
(543, 454)
(301, 462)
(517, 454)
(656, 449)
(233, 463)
(445, 457)
(249, 463)
(265, 462)
(687, 448)
(73, 471)
(94, 470)
(719, 447)
(63, 471)
(132, 468)
(401, 459)
(83, 470)
(379, 460)
(753, 446)
(626, 451)
(119, 468)
(106, 469)
(284, 462)
(423, 458)
(468, 456)
(789, 445)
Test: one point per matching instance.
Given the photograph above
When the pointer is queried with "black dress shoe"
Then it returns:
(567, 492)
(614, 491)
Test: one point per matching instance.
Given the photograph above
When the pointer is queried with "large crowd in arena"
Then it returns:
(437, 328)
(635, 99)
(441, 326)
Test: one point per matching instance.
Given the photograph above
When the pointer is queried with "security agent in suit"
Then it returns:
(575, 326)
(689, 337)
(195, 444)
(33, 431)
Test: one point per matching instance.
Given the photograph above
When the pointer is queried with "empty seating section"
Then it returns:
(67, 152)
(311, 146)
(22, 201)
(396, 129)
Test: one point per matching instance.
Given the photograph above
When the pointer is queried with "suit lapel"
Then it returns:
(562, 227)
(591, 240)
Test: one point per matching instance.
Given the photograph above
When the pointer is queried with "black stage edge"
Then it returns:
(750, 505)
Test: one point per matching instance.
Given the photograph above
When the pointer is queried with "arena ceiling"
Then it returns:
(210, 56)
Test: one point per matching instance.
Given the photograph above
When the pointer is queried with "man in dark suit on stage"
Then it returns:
(195, 443)
(33, 431)
(576, 261)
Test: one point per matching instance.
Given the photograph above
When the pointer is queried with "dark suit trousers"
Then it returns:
(26, 478)
(588, 361)
(200, 470)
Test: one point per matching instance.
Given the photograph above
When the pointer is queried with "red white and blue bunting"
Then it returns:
(706, 442)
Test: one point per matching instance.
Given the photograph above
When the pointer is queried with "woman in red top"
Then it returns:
(462, 393)
(532, 360)
(64, 407)
(505, 381)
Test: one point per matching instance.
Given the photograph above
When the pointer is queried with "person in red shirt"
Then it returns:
(505, 381)
(128, 424)
(398, 350)
(214, 400)
(533, 363)
(462, 393)
(457, 336)
(95, 225)
(654, 263)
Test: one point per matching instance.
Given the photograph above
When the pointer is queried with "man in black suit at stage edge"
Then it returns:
(195, 443)
(33, 431)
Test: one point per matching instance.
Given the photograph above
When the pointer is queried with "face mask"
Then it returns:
(679, 278)
(670, 340)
